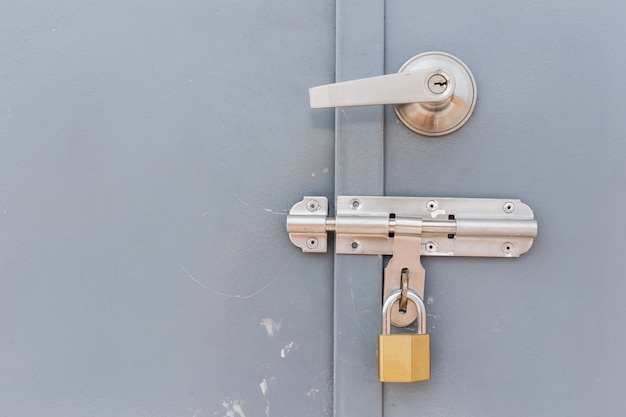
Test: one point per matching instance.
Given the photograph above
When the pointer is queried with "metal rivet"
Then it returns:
(431, 246)
(355, 204)
(432, 205)
(312, 205)
(509, 207)
(507, 248)
(311, 243)
(437, 84)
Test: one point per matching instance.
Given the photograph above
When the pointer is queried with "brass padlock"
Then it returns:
(404, 357)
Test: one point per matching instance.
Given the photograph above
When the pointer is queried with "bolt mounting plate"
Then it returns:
(367, 225)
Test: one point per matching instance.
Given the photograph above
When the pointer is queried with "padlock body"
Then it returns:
(403, 357)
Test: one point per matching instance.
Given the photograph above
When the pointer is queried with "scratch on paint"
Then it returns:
(356, 317)
(242, 297)
(233, 409)
(271, 326)
(245, 203)
(264, 387)
(287, 349)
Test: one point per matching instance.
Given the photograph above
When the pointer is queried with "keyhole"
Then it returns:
(437, 83)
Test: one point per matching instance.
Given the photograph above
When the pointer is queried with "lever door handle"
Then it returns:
(433, 93)
(399, 88)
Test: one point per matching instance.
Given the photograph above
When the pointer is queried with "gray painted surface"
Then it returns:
(149, 152)
(359, 157)
(542, 335)
(143, 144)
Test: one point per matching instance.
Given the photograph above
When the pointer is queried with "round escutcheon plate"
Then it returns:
(438, 119)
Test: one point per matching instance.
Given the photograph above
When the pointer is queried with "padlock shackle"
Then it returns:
(412, 296)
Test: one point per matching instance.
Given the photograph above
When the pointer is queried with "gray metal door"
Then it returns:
(542, 334)
(149, 154)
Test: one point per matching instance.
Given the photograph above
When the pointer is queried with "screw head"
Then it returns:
(431, 246)
(311, 243)
(507, 248)
(437, 84)
(355, 204)
(312, 205)
(509, 207)
(432, 205)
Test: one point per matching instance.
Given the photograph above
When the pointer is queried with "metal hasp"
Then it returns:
(433, 93)
(410, 227)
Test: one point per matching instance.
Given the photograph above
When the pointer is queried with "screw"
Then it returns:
(355, 204)
(509, 207)
(431, 246)
(311, 243)
(355, 245)
(432, 205)
(437, 83)
(507, 248)
(312, 205)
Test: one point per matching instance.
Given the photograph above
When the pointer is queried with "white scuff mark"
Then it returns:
(267, 210)
(435, 316)
(267, 410)
(312, 392)
(242, 297)
(436, 213)
(356, 317)
(237, 409)
(430, 300)
(264, 387)
(233, 408)
(312, 174)
(325, 170)
(287, 349)
(271, 327)
(196, 413)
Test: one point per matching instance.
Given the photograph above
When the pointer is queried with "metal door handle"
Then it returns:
(433, 93)
(400, 88)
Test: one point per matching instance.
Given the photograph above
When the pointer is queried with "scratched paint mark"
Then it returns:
(271, 327)
(430, 300)
(325, 170)
(233, 409)
(312, 392)
(240, 296)
(287, 349)
(356, 316)
(267, 210)
(264, 387)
